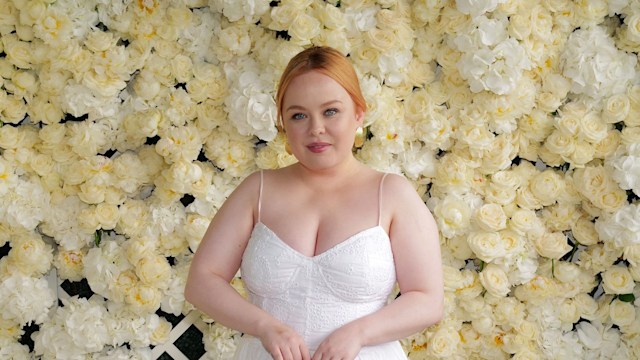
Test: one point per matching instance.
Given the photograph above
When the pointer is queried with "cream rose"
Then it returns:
(444, 342)
(615, 108)
(592, 128)
(107, 215)
(524, 220)
(144, 298)
(304, 28)
(622, 313)
(488, 246)
(495, 280)
(490, 217)
(560, 143)
(154, 270)
(29, 254)
(552, 245)
(453, 216)
(70, 264)
(617, 280)
(584, 231)
(547, 186)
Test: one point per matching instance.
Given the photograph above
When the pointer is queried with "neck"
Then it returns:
(330, 177)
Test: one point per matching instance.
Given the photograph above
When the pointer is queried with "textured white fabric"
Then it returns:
(317, 295)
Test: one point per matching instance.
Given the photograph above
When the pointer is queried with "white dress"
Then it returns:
(317, 295)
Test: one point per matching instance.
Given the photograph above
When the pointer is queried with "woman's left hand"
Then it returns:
(343, 344)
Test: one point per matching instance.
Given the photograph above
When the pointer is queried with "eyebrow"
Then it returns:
(298, 107)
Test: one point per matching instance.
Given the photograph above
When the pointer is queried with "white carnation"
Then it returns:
(622, 227)
(250, 10)
(477, 7)
(250, 102)
(594, 65)
(626, 169)
(25, 299)
(490, 59)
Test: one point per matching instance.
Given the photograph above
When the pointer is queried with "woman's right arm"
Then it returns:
(216, 262)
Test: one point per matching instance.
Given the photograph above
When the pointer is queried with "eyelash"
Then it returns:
(298, 116)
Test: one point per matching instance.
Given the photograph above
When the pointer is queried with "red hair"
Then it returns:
(327, 61)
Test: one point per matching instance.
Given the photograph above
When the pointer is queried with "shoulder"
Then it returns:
(402, 196)
(396, 184)
(248, 189)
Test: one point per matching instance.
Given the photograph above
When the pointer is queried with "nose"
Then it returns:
(316, 127)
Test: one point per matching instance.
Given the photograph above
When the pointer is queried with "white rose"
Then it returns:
(304, 28)
(586, 305)
(547, 186)
(487, 246)
(453, 216)
(154, 270)
(29, 254)
(622, 313)
(459, 247)
(331, 17)
(616, 108)
(444, 342)
(491, 217)
(592, 128)
(617, 280)
(560, 143)
(144, 298)
(524, 220)
(584, 231)
(552, 245)
(483, 324)
(495, 280)
(568, 313)
(19, 53)
(70, 264)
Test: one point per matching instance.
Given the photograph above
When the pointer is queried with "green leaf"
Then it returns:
(627, 297)
(97, 237)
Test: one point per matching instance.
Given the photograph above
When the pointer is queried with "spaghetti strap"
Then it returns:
(260, 196)
(380, 199)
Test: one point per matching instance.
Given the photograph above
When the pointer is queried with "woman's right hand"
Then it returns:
(283, 343)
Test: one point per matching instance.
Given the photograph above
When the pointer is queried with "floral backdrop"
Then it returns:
(126, 123)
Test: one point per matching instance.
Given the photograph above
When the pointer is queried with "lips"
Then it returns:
(318, 147)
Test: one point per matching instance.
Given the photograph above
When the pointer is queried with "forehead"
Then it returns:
(313, 87)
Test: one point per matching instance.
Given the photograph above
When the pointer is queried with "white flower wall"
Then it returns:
(125, 125)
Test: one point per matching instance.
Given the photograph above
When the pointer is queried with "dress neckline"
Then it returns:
(333, 248)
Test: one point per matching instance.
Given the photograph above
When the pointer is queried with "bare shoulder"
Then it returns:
(404, 202)
(399, 190)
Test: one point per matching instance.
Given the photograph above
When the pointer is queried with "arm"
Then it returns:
(416, 248)
(217, 260)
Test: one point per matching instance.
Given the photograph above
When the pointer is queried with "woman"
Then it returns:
(321, 243)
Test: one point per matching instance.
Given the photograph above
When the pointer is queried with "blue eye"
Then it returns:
(331, 112)
(297, 116)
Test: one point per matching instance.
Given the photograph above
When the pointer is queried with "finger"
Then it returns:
(276, 354)
(305, 352)
(286, 354)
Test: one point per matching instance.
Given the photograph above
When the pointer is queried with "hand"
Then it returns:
(343, 344)
(283, 343)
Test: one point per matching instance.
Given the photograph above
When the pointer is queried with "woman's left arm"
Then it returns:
(416, 250)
